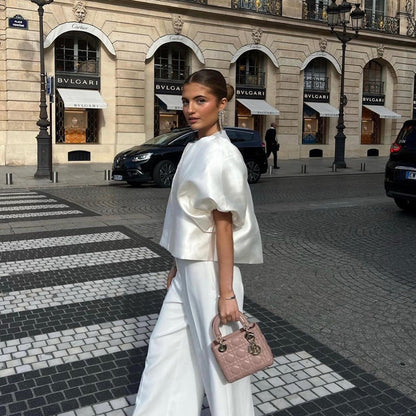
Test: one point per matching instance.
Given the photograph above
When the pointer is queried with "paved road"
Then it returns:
(335, 297)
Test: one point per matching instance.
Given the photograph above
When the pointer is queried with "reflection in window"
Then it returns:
(250, 69)
(373, 75)
(315, 77)
(77, 52)
(171, 62)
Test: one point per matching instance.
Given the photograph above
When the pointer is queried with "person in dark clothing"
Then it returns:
(272, 145)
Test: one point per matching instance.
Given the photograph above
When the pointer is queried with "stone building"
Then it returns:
(115, 72)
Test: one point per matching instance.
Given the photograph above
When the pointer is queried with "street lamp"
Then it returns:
(341, 15)
(44, 140)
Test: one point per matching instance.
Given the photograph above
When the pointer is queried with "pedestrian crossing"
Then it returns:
(29, 205)
(77, 308)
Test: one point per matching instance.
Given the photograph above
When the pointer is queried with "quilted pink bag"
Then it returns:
(242, 352)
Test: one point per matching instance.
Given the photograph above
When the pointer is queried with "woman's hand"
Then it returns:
(171, 276)
(228, 310)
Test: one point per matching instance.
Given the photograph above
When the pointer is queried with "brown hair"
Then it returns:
(213, 80)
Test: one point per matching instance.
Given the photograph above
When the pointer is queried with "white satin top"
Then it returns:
(211, 175)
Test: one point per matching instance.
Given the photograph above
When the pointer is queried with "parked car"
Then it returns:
(156, 159)
(400, 177)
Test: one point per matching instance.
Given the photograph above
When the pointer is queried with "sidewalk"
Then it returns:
(79, 174)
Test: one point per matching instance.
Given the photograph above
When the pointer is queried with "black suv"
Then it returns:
(400, 178)
(156, 159)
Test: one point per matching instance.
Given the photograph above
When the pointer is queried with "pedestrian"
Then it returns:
(209, 226)
(272, 145)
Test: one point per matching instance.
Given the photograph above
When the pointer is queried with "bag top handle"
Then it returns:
(216, 324)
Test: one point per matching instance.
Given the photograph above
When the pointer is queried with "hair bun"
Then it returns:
(230, 92)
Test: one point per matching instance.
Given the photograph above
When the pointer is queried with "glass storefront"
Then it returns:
(77, 67)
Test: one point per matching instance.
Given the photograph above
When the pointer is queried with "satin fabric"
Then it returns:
(180, 365)
(211, 175)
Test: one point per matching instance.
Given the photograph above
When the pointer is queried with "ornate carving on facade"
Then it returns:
(80, 10)
(380, 50)
(411, 23)
(256, 35)
(323, 43)
(177, 24)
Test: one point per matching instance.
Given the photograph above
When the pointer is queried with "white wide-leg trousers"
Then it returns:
(180, 366)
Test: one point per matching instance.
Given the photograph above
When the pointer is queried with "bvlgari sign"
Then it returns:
(168, 88)
(254, 93)
(317, 97)
(77, 81)
(373, 99)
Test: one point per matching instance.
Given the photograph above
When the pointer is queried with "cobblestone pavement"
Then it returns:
(81, 280)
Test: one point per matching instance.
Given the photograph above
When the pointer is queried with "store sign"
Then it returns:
(168, 88)
(77, 81)
(18, 22)
(316, 97)
(373, 99)
(253, 93)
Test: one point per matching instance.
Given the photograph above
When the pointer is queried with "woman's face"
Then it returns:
(201, 108)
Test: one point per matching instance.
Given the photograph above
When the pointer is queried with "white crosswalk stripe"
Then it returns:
(22, 196)
(32, 207)
(55, 348)
(75, 260)
(27, 201)
(45, 297)
(67, 240)
(39, 214)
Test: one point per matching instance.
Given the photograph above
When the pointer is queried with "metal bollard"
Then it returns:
(107, 175)
(9, 179)
(334, 167)
(55, 177)
(362, 167)
(303, 169)
(270, 170)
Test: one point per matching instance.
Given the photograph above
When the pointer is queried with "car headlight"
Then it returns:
(141, 158)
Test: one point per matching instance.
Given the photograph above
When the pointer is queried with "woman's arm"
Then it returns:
(227, 304)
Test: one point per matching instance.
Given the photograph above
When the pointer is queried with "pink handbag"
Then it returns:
(242, 352)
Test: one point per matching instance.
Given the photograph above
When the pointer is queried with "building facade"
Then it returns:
(115, 73)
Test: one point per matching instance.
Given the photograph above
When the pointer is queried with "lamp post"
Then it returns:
(44, 140)
(340, 15)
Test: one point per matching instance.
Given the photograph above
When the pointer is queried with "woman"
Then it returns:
(209, 225)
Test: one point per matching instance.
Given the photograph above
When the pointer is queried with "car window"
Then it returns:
(183, 140)
(239, 135)
(166, 138)
(407, 136)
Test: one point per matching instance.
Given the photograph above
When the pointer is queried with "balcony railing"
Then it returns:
(256, 80)
(170, 72)
(315, 11)
(273, 7)
(372, 21)
(316, 84)
(373, 87)
(381, 23)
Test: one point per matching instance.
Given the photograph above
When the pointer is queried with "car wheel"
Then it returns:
(253, 171)
(163, 173)
(405, 204)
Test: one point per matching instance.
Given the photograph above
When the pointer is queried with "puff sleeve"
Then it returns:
(222, 187)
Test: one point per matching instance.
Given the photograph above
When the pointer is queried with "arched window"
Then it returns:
(315, 77)
(77, 52)
(373, 78)
(171, 62)
(250, 69)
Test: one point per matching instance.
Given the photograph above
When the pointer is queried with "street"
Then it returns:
(82, 282)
